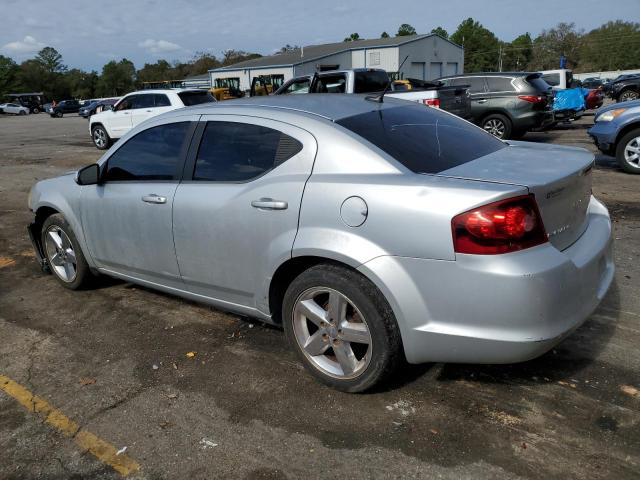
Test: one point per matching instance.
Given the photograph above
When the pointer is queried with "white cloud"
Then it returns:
(159, 46)
(26, 45)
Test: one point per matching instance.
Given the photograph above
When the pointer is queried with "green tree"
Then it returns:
(352, 38)
(229, 57)
(440, 31)
(155, 72)
(117, 78)
(612, 46)
(551, 44)
(33, 77)
(517, 54)
(384, 35)
(405, 29)
(481, 46)
(80, 84)
(51, 60)
(9, 72)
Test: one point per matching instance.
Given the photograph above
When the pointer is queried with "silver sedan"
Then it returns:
(372, 232)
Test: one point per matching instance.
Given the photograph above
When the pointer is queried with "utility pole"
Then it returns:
(500, 59)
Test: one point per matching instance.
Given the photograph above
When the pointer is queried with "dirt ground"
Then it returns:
(114, 360)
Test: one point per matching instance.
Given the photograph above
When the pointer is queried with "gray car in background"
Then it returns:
(371, 232)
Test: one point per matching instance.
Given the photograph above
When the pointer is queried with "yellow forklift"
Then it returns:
(226, 89)
(263, 85)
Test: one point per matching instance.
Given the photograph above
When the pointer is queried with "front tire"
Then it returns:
(100, 137)
(497, 125)
(341, 327)
(628, 152)
(64, 255)
(628, 95)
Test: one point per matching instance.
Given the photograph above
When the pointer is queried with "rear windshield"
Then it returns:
(421, 138)
(368, 82)
(195, 98)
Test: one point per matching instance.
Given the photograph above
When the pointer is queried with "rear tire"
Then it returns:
(497, 125)
(342, 328)
(628, 152)
(35, 110)
(59, 114)
(100, 137)
(64, 255)
(628, 95)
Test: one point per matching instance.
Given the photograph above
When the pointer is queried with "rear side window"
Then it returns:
(239, 152)
(153, 154)
(161, 100)
(499, 84)
(423, 139)
(336, 83)
(368, 82)
(196, 98)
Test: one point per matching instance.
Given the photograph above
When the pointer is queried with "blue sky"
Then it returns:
(88, 33)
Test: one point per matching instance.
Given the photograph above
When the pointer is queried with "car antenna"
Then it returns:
(380, 98)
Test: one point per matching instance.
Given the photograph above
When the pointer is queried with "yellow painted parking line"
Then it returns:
(103, 451)
(6, 262)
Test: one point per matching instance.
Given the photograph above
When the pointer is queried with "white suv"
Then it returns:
(136, 107)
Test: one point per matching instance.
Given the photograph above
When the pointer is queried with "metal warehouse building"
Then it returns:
(429, 56)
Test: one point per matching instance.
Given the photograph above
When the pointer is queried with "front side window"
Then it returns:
(143, 101)
(423, 139)
(153, 154)
(238, 152)
(125, 104)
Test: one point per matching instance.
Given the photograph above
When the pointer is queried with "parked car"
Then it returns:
(371, 232)
(625, 89)
(13, 108)
(594, 99)
(134, 108)
(96, 106)
(592, 82)
(62, 107)
(374, 81)
(616, 132)
(507, 105)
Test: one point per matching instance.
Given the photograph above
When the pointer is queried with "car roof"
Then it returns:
(331, 106)
(493, 74)
(167, 90)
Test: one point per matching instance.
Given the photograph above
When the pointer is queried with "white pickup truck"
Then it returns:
(368, 80)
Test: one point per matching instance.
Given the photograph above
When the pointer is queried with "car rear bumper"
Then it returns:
(497, 308)
(533, 120)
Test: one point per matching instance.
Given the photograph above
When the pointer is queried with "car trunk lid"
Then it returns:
(559, 177)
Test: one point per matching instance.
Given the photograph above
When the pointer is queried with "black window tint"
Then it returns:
(499, 84)
(476, 84)
(125, 104)
(336, 83)
(143, 101)
(196, 98)
(153, 154)
(552, 79)
(367, 82)
(237, 152)
(161, 100)
(423, 139)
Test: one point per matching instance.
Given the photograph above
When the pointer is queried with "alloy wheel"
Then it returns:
(99, 137)
(60, 253)
(632, 152)
(628, 96)
(332, 333)
(495, 127)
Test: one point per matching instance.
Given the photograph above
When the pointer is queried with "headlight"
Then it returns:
(610, 115)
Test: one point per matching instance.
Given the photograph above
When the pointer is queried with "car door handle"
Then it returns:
(153, 198)
(269, 204)
(482, 100)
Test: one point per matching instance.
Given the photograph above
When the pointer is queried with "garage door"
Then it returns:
(417, 70)
(452, 68)
(435, 71)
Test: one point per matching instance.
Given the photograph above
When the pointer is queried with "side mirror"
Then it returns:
(89, 175)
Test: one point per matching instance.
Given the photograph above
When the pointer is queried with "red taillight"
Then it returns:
(500, 227)
(531, 98)
(432, 102)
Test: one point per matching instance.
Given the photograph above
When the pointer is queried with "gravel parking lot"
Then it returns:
(114, 360)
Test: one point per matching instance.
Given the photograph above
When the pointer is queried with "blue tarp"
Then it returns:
(570, 99)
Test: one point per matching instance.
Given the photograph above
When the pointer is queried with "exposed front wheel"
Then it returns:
(628, 95)
(341, 327)
(22, 112)
(497, 125)
(64, 256)
(100, 137)
(628, 152)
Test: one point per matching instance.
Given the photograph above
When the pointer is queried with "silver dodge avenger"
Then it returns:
(372, 232)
